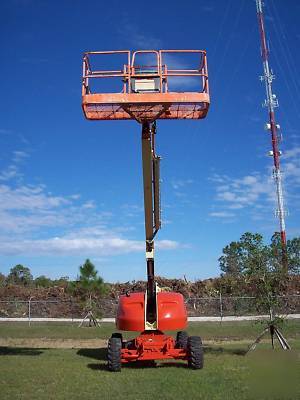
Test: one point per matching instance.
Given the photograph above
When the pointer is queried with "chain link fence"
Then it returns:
(220, 306)
(223, 306)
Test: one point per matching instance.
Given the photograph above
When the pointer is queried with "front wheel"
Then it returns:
(120, 336)
(114, 354)
(181, 340)
(195, 352)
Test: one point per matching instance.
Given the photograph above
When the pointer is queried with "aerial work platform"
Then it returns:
(157, 89)
(145, 86)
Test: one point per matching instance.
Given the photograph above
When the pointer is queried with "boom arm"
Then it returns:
(151, 176)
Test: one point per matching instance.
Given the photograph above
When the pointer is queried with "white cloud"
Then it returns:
(183, 61)
(132, 210)
(249, 180)
(89, 204)
(75, 196)
(12, 171)
(291, 168)
(167, 245)
(291, 153)
(136, 37)
(26, 207)
(9, 173)
(30, 214)
(258, 190)
(227, 196)
(235, 206)
(221, 214)
(19, 155)
(95, 241)
(181, 183)
(241, 192)
(139, 40)
(182, 190)
(13, 224)
(28, 198)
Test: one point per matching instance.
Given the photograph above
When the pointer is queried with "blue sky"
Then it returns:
(72, 188)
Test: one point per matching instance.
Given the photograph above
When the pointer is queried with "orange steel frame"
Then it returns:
(152, 345)
(145, 106)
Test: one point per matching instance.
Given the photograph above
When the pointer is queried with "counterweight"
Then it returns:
(271, 103)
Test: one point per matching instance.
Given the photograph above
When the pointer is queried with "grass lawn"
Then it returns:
(228, 374)
(207, 330)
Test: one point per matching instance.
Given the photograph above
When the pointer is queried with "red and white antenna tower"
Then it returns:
(271, 103)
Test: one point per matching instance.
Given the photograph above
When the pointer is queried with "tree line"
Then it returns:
(87, 281)
(250, 255)
(260, 266)
(247, 259)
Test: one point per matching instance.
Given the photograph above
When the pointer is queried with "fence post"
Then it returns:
(72, 311)
(29, 311)
(221, 305)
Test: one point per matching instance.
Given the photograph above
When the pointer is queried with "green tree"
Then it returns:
(43, 281)
(260, 266)
(2, 279)
(20, 275)
(231, 260)
(250, 254)
(293, 254)
(62, 282)
(276, 251)
(255, 255)
(246, 254)
(89, 281)
(90, 285)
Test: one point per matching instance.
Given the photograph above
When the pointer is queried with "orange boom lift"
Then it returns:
(147, 91)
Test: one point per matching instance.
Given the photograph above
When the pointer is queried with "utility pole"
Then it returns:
(271, 103)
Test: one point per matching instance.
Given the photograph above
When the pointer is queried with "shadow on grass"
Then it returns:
(174, 364)
(98, 367)
(100, 354)
(96, 354)
(19, 351)
(222, 350)
(139, 365)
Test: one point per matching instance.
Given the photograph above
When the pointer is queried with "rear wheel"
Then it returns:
(195, 352)
(114, 354)
(181, 340)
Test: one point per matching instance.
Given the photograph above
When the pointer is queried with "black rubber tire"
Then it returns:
(195, 352)
(117, 335)
(181, 340)
(120, 336)
(114, 354)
